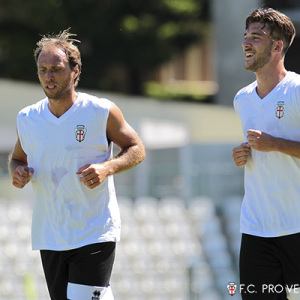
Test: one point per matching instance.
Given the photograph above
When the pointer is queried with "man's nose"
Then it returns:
(49, 74)
(247, 43)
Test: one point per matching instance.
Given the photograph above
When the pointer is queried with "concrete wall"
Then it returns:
(188, 145)
(229, 26)
(202, 123)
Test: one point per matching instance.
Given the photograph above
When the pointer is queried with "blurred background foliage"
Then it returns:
(122, 41)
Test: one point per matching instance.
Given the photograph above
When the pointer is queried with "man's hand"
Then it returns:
(240, 154)
(260, 141)
(92, 175)
(21, 176)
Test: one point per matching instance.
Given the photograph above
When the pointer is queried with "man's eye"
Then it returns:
(58, 69)
(252, 38)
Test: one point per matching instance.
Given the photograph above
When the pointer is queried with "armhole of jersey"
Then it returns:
(296, 94)
(19, 133)
(108, 110)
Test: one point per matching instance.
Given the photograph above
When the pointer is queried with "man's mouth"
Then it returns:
(50, 86)
(249, 54)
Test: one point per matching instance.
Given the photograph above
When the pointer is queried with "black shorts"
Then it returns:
(269, 267)
(90, 265)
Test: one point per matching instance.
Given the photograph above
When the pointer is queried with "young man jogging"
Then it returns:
(269, 110)
(64, 148)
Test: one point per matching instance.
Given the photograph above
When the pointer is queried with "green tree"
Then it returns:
(123, 41)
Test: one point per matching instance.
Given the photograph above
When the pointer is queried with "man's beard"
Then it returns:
(64, 89)
(261, 60)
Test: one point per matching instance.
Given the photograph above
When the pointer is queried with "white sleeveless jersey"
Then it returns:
(271, 204)
(67, 214)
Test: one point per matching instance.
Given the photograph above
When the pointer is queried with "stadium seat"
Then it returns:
(168, 250)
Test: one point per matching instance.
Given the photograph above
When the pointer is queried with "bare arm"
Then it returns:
(18, 168)
(262, 141)
(132, 151)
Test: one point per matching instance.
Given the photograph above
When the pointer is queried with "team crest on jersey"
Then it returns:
(80, 132)
(231, 286)
(279, 109)
(96, 295)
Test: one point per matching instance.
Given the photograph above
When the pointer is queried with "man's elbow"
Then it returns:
(142, 153)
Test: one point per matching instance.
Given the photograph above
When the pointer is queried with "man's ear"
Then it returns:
(76, 70)
(279, 46)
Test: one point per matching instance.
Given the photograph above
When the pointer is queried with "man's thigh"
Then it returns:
(261, 273)
(289, 247)
(56, 274)
(90, 265)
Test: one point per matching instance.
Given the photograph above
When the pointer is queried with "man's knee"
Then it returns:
(83, 292)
